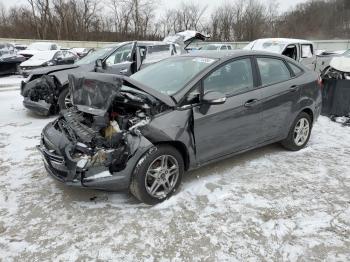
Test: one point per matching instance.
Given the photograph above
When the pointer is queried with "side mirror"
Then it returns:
(214, 98)
(99, 63)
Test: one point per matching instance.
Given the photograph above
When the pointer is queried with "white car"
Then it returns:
(36, 47)
(302, 51)
(47, 58)
(217, 47)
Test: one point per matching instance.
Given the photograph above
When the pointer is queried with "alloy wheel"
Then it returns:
(162, 175)
(301, 132)
(68, 101)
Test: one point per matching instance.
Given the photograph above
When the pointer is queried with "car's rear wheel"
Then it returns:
(157, 174)
(299, 133)
(64, 99)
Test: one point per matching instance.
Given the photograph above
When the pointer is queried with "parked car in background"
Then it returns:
(216, 47)
(20, 47)
(46, 90)
(9, 59)
(47, 58)
(82, 52)
(141, 133)
(324, 59)
(302, 51)
(338, 67)
(36, 47)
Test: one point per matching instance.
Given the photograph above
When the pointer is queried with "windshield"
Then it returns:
(43, 55)
(39, 46)
(270, 46)
(170, 75)
(93, 56)
(209, 47)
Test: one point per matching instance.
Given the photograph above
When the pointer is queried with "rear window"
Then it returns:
(272, 70)
(296, 70)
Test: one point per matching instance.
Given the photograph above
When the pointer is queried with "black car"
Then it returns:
(143, 132)
(9, 59)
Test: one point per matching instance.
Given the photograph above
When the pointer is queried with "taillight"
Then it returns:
(320, 82)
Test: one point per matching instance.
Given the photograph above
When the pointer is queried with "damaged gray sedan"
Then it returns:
(141, 133)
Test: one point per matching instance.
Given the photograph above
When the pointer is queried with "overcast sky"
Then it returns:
(166, 4)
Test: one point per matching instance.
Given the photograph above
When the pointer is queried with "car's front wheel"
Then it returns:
(299, 133)
(157, 174)
(64, 99)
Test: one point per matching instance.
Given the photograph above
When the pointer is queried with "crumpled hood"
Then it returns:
(52, 69)
(94, 92)
(341, 63)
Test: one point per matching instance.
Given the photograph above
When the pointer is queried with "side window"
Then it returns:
(232, 78)
(229, 47)
(296, 70)
(122, 54)
(53, 47)
(291, 51)
(306, 51)
(58, 55)
(272, 70)
(223, 47)
(69, 55)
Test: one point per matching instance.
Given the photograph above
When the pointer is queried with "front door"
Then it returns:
(121, 61)
(223, 129)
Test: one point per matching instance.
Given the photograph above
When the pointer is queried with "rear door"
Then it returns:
(235, 125)
(280, 94)
(121, 61)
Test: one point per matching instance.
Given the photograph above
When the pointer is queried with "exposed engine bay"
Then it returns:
(332, 73)
(104, 141)
(103, 127)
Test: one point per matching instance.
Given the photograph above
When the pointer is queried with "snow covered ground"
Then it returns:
(268, 204)
(11, 81)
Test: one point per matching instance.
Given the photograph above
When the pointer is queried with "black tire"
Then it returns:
(138, 186)
(62, 97)
(290, 142)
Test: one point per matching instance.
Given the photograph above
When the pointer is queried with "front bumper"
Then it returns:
(39, 107)
(55, 148)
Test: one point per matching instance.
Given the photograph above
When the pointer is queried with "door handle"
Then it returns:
(251, 102)
(123, 71)
(294, 88)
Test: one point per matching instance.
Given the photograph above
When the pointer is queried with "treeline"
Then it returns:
(118, 20)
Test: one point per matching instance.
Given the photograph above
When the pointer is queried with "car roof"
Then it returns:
(230, 54)
(283, 40)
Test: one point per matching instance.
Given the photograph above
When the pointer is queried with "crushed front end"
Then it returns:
(40, 94)
(97, 143)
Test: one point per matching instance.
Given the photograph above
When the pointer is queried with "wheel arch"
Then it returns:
(181, 147)
(309, 111)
